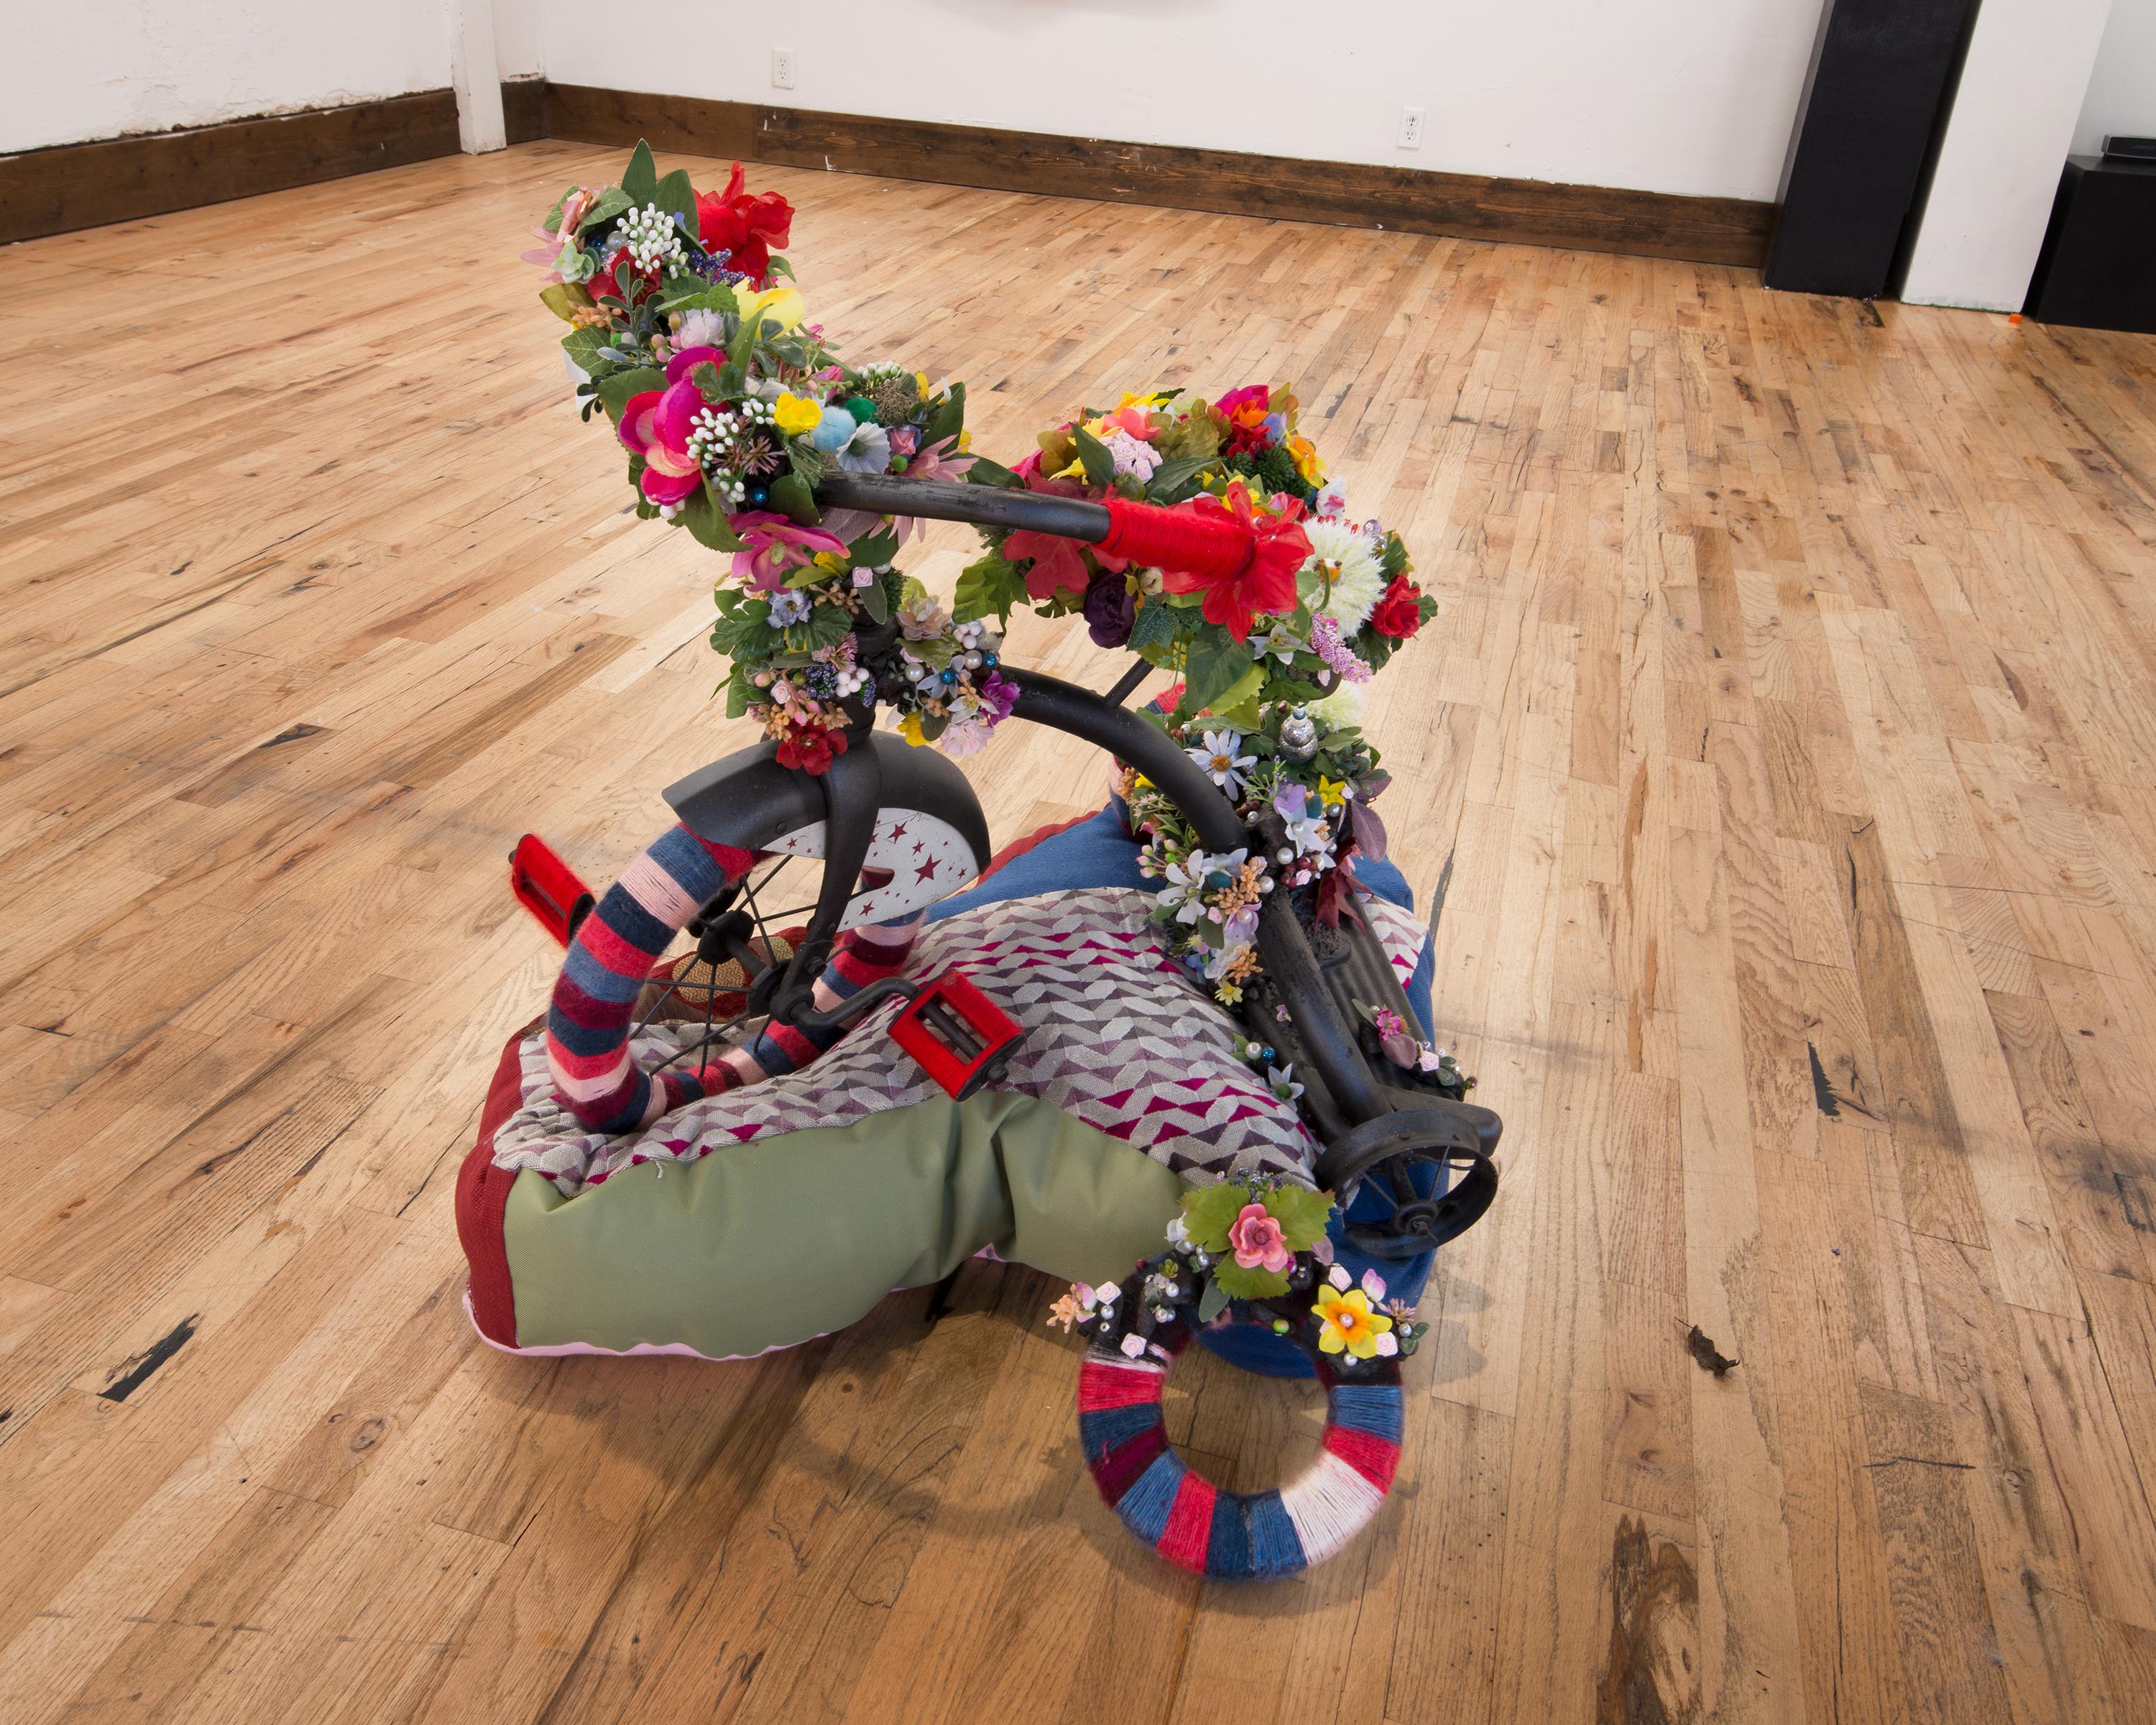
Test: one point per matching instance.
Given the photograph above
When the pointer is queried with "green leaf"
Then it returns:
(706, 523)
(706, 377)
(615, 388)
(1153, 629)
(1172, 480)
(584, 347)
(639, 180)
(1243, 1284)
(989, 584)
(1301, 1213)
(779, 266)
(875, 601)
(1212, 1302)
(949, 418)
(1093, 455)
(806, 460)
(703, 297)
(792, 500)
(1210, 1211)
(679, 197)
(872, 551)
(1214, 664)
(985, 472)
(608, 205)
(737, 693)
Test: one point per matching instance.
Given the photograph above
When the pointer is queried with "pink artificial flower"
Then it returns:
(772, 547)
(572, 212)
(1135, 419)
(1256, 1239)
(689, 358)
(656, 425)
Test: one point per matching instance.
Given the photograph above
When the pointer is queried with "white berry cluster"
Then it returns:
(649, 237)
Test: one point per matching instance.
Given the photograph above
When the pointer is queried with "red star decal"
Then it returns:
(898, 832)
(927, 871)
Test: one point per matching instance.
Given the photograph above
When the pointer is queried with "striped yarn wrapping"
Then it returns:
(617, 947)
(1236, 1535)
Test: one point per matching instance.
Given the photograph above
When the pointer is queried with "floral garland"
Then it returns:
(1260, 1247)
(686, 333)
(1272, 660)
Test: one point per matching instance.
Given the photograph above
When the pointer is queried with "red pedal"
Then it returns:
(960, 1036)
(548, 887)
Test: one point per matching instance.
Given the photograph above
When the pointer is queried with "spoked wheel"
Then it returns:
(1432, 1159)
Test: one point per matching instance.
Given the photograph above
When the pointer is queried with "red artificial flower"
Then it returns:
(810, 747)
(1243, 411)
(1058, 564)
(745, 228)
(1266, 583)
(618, 277)
(1399, 614)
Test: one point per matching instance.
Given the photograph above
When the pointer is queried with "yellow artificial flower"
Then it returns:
(965, 440)
(921, 380)
(832, 562)
(782, 306)
(909, 727)
(1306, 460)
(1331, 791)
(1347, 1323)
(794, 414)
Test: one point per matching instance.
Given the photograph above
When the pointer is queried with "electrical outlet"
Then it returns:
(1411, 128)
(781, 68)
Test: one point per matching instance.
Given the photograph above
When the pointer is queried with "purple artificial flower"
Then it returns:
(997, 693)
(1110, 608)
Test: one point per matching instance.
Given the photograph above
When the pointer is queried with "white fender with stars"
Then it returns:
(926, 859)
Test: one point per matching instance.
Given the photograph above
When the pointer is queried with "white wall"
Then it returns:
(2006, 140)
(2122, 90)
(1665, 95)
(96, 69)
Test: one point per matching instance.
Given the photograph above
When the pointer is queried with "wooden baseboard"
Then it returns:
(1655, 224)
(73, 185)
(76, 186)
(524, 109)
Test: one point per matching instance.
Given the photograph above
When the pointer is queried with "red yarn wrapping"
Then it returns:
(1367, 1454)
(1214, 546)
(1104, 1386)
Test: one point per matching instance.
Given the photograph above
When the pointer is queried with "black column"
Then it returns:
(1881, 81)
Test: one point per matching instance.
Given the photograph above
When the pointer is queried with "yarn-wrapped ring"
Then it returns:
(1237, 1536)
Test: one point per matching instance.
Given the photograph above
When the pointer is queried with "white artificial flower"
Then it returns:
(1342, 707)
(1221, 764)
(1359, 582)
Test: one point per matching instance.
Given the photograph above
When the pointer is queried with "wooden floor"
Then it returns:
(1782, 768)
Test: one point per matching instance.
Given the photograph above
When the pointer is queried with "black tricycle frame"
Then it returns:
(1368, 1115)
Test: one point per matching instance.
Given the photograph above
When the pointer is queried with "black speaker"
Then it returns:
(1881, 73)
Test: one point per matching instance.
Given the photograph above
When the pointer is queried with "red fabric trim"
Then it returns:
(1018, 847)
(482, 1196)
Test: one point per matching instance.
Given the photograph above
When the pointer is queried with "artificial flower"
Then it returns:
(1112, 608)
(810, 747)
(656, 425)
(1304, 455)
(1244, 412)
(743, 227)
(1255, 1237)
(1326, 642)
(782, 306)
(868, 450)
(773, 546)
(1330, 791)
(1074, 1306)
(1305, 823)
(794, 414)
(833, 429)
(1346, 1322)
(1281, 641)
(1399, 614)
(561, 241)
(1342, 580)
(1342, 708)
(700, 327)
(1058, 564)
(1217, 759)
(1265, 583)
(1130, 455)
(1282, 1081)
(789, 605)
(1330, 502)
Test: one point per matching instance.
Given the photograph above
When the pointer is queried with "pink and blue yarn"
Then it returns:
(1238, 1536)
